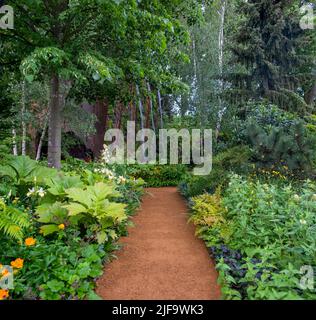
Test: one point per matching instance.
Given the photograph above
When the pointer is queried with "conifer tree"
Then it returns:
(266, 51)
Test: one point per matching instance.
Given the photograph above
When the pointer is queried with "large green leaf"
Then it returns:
(7, 171)
(23, 166)
(51, 213)
(49, 229)
(59, 184)
(102, 190)
(75, 208)
(79, 195)
(116, 211)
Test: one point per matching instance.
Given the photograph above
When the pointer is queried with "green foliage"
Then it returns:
(272, 232)
(159, 175)
(280, 148)
(13, 221)
(234, 159)
(208, 215)
(55, 270)
(64, 229)
(57, 186)
(279, 139)
(22, 171)
(267, 58)
(93, 206)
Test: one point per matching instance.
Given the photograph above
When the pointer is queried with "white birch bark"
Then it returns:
(23, 105)
(39, 148)
(221, 43)
(15, 147)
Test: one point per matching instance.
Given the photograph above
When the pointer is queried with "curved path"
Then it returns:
(161, 259)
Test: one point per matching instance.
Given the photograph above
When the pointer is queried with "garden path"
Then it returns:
(161, 259)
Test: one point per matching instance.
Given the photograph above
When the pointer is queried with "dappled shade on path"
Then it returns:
(161, 258)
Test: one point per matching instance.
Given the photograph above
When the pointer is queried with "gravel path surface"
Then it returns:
(161, 258)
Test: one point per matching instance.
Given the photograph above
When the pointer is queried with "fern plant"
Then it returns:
(13, 221)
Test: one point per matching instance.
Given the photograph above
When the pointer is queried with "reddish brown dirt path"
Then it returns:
(161, 258)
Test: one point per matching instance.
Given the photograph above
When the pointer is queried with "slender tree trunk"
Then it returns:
(23, 103)
(160, 109)
(141, 113)
(147, 115)
(311, 95)
(55, 124)
(39, 148)
(151, 107)
(140, 106)
(118, 114)
(221, 39)
(15, 147)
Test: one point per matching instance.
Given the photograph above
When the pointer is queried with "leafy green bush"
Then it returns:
(235, 159)
(54, 270)
(271, 229)
(159, 175)
(21, 173)
(209, 216)
(57, 227)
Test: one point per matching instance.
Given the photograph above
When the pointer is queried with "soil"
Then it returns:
(161, 258)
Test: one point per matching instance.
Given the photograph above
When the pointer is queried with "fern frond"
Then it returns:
(13, 222)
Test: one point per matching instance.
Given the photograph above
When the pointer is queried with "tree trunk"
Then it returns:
(311, 95)
(221, 39)
(39, 148)
(23, 102)
(160, 109)
(15, 147)
(151, 107)
(100, 109)
(118, 114)
(55, 124)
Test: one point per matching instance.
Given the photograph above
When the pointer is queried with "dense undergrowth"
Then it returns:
(58, 228)
(259, 227)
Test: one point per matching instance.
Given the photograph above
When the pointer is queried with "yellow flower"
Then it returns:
(61, 226)
(17, 263)
(4, 294)
(30, 242)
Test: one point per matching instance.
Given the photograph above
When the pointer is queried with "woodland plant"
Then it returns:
(272, 229)
(235, 159)
(159, 175)
(208, 214)
(61, 226)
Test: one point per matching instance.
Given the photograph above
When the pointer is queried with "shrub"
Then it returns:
(279, 139)
(60, 226)
(234, 159)
(272, 227)
(159, 175)
(54, 270)
(208, 215)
